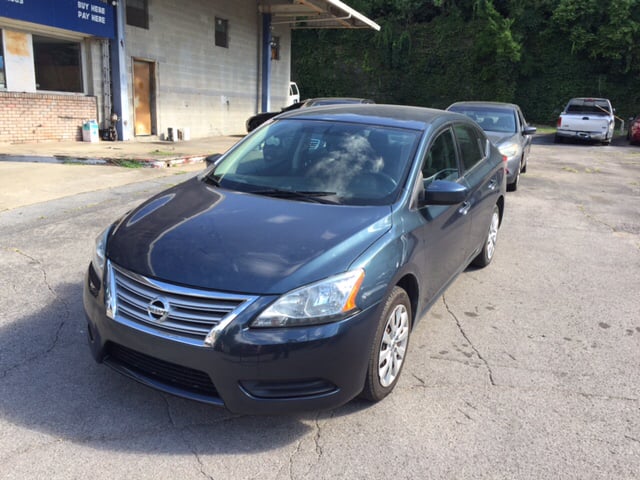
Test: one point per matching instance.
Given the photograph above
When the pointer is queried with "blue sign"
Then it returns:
(93, 17)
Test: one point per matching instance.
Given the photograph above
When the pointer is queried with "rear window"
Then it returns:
(490, 119)
(588, 106)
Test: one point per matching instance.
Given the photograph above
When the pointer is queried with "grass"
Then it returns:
(126, 163)
(545, 129)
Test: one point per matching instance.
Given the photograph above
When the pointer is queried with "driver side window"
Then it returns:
(441, 162)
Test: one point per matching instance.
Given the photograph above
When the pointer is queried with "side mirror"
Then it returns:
(211, 159)
(443, 192)
(529, 130)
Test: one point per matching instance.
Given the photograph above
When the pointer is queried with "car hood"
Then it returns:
(500, 138)
(200, 236)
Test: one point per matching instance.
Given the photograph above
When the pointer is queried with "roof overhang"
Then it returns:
(315, 14)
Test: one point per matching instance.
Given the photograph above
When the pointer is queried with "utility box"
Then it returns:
(90, 132)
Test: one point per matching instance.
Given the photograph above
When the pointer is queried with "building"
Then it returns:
(193, 68)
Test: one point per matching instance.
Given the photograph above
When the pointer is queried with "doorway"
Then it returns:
(143, 97)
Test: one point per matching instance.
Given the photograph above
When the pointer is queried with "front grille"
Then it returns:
(170, 374)
(173, 311)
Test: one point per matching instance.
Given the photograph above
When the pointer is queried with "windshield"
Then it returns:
(491, 120)
(320, 161)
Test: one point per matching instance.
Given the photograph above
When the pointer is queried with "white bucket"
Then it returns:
(90, 132)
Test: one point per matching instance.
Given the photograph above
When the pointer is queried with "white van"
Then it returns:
(294, 94)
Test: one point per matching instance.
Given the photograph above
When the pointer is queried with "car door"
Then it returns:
(525, 139)
(444, 229)
(482, 176)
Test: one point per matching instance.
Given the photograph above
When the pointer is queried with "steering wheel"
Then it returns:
(444, 173)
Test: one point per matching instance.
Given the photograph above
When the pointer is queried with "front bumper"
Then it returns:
(246, 370)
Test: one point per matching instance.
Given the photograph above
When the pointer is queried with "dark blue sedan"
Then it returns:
(289, 275)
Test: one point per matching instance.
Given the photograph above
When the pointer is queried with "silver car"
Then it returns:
(506, 127)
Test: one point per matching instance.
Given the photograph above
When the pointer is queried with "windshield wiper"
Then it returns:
(306, 195)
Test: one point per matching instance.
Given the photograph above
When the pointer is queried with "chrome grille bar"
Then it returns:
(180, 313)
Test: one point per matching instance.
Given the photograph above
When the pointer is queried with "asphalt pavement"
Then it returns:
(40, 172)
(525, 370)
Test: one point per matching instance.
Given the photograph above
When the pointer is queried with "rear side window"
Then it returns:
(441, 162)
(471, 145)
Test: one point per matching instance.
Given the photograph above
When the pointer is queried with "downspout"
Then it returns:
(119, 80)
(266, 62)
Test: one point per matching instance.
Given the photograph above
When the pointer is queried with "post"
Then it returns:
(120, 91)
(266, 62)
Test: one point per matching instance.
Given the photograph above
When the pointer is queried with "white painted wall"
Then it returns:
(208, 89)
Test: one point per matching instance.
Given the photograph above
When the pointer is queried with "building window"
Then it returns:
(222, 32)
(58, 64)
(275, 48)
(138, 13)
(3, 82)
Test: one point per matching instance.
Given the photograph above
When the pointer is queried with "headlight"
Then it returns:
(509, 149)
(326, 301)
(99, 252)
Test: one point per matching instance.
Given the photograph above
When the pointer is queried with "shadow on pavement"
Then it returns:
(51, 384)
(549, 139)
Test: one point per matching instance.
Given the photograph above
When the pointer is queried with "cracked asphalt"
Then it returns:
(528, 369)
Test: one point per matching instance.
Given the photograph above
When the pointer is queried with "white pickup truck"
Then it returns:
(589, 119)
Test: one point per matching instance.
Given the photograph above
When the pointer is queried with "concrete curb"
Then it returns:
(143, 162)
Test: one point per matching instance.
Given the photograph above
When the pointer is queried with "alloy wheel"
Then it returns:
(492, 237)
(393, 346)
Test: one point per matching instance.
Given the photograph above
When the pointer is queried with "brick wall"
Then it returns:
(35, 117)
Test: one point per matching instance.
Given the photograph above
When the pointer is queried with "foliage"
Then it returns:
(537, 53)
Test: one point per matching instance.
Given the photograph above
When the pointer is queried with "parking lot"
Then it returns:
(528, 369)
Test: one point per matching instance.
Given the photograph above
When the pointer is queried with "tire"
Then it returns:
(524, 167)
(488, 250)
(389, 348)
(512, 187)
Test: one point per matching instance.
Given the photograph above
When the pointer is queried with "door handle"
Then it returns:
(464, 209)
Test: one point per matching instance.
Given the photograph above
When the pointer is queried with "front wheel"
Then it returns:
(512, 187)
(389, 346)
(486, 255)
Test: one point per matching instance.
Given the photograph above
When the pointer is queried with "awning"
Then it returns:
(315, 14)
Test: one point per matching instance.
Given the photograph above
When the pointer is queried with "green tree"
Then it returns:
(537, 53)
(605, 30)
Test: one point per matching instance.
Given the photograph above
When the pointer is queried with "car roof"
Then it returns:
(401, 116)
(589, 99)
(476, 104)
(334, 100)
